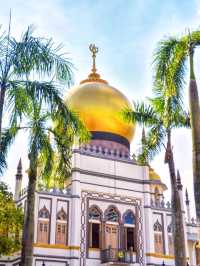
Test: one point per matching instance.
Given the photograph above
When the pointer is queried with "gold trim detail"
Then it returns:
(58, 246)
(158, 255)
(94, 249)
(162, 256)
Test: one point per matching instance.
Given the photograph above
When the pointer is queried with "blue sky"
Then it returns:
(126, 32)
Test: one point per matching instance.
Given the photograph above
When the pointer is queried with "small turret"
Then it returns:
(179, 188)
(178, 181)
(18, 180)
(187, 202)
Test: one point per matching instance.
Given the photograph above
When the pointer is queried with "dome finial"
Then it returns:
(94, 49)
(94, 76)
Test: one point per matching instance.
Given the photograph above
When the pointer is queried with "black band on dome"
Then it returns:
(100, 135)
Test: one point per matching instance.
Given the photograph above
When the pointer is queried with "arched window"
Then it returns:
(94, 217)
(157, 227)
(112, 215)
(129, 230)
(61, 215)
(170, 239)
(129, 218)
(44, 213)
(94, 214)
(61, 227)
(158, 237)
(43, 225)
(111, 230)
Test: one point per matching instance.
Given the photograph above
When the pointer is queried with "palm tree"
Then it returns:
(161, 116)
(170, 61)
(21, 61)
(36, 124)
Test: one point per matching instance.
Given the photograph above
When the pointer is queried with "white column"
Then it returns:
(36, 216)
(165, 233)
(53, 220)
(75, 208)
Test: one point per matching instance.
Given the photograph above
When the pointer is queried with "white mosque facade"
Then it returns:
(112, 211)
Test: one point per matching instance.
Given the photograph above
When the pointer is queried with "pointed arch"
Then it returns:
(61, 227)
(43, 225)
(157, 227)
(95, 213)
(158, 237)
(129, 217)
(129, 234)
(112, 214)
(44, 213)
(61, 215)
(94, 226)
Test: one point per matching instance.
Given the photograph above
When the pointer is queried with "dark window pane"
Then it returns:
(130, 238)
(95, 235)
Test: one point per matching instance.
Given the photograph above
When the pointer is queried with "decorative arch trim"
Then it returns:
(44, 213)
(157, 227)
(126, 213)
(98, 210)
(61, 215)
(107, 212)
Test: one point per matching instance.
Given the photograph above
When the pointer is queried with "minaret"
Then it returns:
(18, 178)
(178, 181)
(187, 202)
(180, 187)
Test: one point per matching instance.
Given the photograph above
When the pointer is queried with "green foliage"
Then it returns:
(11, 222)
(37, 102)
(159, 116)
(165, 110)
(169, 63)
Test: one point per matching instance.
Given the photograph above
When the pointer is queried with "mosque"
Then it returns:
(112, 211)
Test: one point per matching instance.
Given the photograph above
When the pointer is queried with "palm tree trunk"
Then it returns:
(177, 215)
(2, 99)
(195, 125)
(28, 232)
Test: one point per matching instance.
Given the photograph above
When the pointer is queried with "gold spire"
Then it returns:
(94, 49)
(94, 76)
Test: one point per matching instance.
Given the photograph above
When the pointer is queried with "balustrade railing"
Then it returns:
(105, 152)
(160, 204)
(116, 255)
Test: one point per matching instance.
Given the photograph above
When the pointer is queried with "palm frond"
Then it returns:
(7, 138)
(142, 113)
(42, 56)
(153, 143)
(17, 101)
(162, 57)
(170, 67)
(46, 157)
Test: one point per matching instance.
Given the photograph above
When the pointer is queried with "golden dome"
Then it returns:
(153, 175)
(99, 105)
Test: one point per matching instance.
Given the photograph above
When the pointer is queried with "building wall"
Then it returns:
(102, 182)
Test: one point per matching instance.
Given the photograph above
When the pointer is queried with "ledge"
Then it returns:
(58, 246)
(159, 255)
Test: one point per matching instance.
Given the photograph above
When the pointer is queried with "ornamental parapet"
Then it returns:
(161, 204)
(52, 191)
(106, 152)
